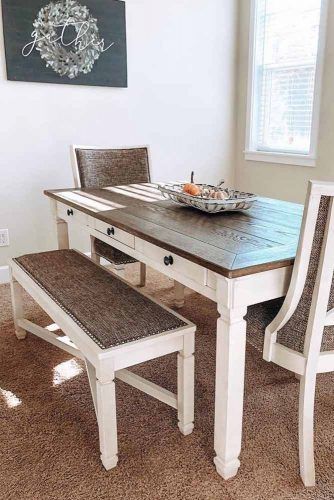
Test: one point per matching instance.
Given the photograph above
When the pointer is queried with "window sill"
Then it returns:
(284, 158)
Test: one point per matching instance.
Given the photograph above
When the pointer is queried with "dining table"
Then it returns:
(237, 259)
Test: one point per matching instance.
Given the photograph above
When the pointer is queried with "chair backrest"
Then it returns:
(95, 167)
(300, 325)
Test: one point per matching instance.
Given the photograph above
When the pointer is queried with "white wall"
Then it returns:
(288, 182)
(180, 100)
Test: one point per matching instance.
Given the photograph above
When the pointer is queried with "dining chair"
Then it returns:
(95, 167)
(300, 336)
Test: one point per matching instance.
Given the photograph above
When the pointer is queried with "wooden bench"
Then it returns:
(111, 326)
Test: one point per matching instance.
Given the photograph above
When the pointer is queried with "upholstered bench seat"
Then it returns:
(111, 326)
(107, 308)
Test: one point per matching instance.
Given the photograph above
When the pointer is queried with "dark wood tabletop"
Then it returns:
(231, 244)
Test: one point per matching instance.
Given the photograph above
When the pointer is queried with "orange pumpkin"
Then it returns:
(192, 189)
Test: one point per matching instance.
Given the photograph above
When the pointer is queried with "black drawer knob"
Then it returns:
(70, 212)
(168, 260)
(110, 231)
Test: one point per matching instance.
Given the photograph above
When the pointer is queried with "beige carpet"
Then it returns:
(49, 440)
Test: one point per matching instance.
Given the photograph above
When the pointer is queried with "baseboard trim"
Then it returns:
(4, 275)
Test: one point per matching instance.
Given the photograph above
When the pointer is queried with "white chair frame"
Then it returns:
(104, 365)
(179, 288)
(306, 365)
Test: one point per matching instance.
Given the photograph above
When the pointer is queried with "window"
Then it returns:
(287, 44)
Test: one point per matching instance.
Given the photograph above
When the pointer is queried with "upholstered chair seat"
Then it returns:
(258, 318)
(111, 254)
(261, 315)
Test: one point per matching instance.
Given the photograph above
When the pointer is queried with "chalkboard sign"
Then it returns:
(66, 41)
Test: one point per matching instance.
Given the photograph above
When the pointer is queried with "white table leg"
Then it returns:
(61, 228)
(93, 255)
(142, 280)
(179, 290)
(230, 367)
(18, 307)
(62, 234)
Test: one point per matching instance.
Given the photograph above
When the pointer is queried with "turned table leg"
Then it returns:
(93, 255)
(61, 228)
(142, 280)
(179, 290)
(230, 367)
(18, 307)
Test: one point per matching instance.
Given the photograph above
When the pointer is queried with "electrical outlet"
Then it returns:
(4, 238)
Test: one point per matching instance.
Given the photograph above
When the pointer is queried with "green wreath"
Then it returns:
(65, 62)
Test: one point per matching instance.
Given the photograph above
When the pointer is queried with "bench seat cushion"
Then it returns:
(105, 307)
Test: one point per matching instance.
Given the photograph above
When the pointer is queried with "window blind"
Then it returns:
(286, 48)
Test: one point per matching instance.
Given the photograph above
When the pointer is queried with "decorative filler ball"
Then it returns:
(71, 58)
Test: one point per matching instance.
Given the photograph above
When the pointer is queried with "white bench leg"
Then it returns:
(306, 418)
(178, 294)
(185, 385)
(17, 305)
(106, 411)
(91, 374)
(142, 280)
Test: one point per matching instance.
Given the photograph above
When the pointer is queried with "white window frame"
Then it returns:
(308, 160)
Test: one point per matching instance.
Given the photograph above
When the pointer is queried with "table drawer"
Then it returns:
(115, 233)
(70, 214)
(171, 262)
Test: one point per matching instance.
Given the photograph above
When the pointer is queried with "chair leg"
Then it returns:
(106, 416)
(142, 281)
(94, 256)
(119, 270)
(178, 294)
(18, 309)
(185, 386)
(306, 424)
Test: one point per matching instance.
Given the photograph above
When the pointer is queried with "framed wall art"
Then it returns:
(76, 42)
